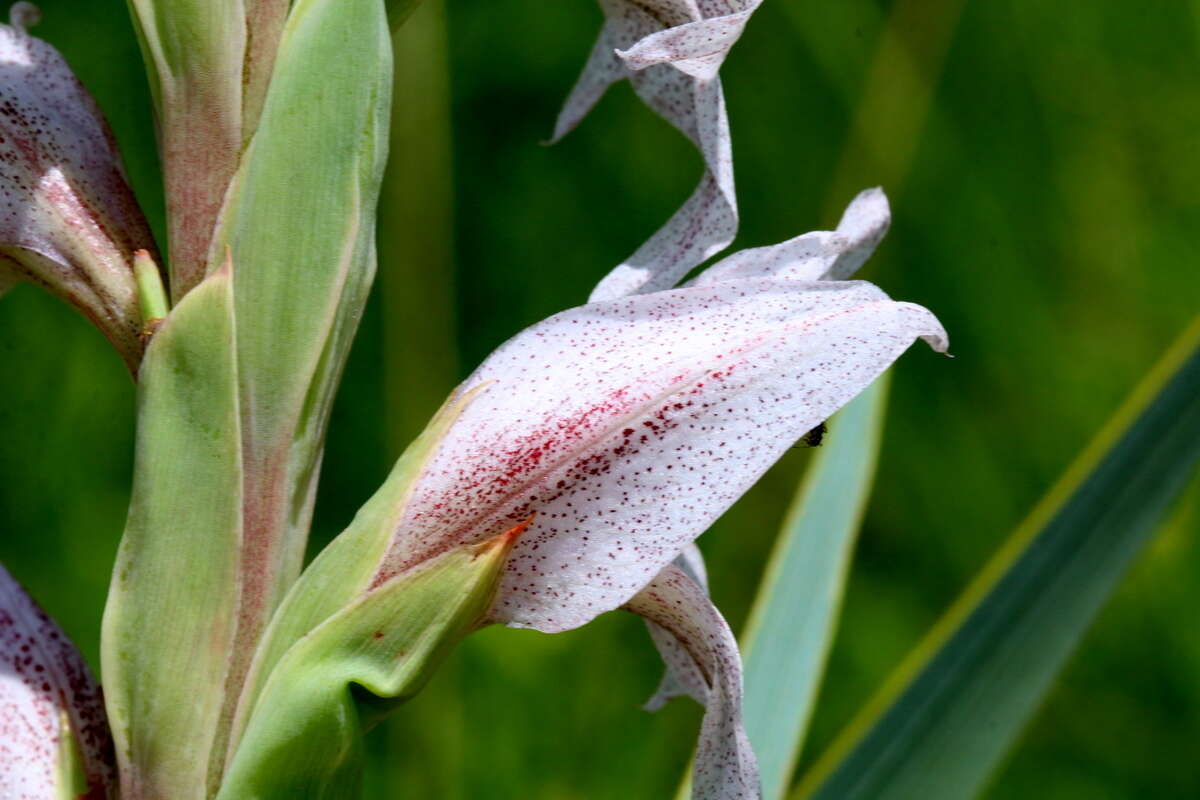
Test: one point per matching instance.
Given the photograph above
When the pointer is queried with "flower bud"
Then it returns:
(68, 219)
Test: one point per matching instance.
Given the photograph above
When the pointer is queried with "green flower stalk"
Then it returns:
(289, 265)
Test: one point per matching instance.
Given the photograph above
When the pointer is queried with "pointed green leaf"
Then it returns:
(169, 623)
(299, 222)
(942, 723)
(304, 737)
(343, 571)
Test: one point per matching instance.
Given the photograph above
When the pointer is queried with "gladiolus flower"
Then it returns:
(68, 219)
(621, 429)
(54, 739)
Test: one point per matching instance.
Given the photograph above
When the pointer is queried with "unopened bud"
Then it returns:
(68, 219)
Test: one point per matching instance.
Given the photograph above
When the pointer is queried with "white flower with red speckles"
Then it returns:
(624, 427)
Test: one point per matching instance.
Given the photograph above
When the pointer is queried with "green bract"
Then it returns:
(342, 573)
(303, 738)
(173, 606)
(297, 228)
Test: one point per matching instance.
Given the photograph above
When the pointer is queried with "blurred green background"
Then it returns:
(1043, 167)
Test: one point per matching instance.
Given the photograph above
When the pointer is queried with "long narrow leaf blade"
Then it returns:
(941, 725)
(795, 615)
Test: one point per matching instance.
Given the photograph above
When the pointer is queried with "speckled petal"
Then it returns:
(602, 70)
(46, 693)
(626, 23)
(708, 220)
(670, 50)
(816, 256)
(680, 677)
(695, 48)
(68, 218)
(627, 426)
(694, 638)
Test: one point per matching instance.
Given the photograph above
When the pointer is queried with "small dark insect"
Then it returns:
(815, 437)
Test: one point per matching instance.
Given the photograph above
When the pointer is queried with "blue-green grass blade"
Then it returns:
(942, 723)
(794, 617)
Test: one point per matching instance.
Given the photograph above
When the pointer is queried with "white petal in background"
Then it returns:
(670, 51)
(816, 256)
(628, 426)
(68, 219)
(698, 646)
(695, 48)
(50, 706)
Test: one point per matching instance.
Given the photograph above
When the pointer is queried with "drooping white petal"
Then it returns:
(695, 48)
(707, 222)
(49, 705)
(68, 219)
(816, 256)
(627, 426)
(603, 69)
(680, 678)
(696, 642)
(670, 50)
